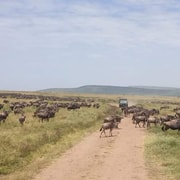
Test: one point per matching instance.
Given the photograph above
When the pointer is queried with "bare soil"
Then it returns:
(106, 158)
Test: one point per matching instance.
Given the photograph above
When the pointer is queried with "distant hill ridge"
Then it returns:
(129, 90)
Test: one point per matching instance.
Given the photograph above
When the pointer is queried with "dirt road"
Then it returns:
(107, 158)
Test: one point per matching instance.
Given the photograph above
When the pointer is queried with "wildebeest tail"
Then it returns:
(100, 129)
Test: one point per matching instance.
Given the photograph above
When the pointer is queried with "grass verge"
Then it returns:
(162, 152)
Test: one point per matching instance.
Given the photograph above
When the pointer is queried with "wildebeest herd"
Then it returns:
(43, 109)
(142, 117)
(147, 117)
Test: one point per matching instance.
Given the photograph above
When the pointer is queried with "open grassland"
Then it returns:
(25, 149)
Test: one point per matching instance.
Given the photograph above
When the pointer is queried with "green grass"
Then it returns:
(26, 149)
(162, 149)
(162, 152)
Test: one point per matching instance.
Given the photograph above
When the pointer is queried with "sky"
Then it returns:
(71, 43)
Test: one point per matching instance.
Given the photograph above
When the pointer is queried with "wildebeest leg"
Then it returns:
(103, 131)
(155, 123)
(138, 123)
(165, 127)
(110, 131)
(144, 124)
(148, 124)
(135, 124)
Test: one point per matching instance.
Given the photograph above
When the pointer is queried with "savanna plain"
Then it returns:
(30, 146)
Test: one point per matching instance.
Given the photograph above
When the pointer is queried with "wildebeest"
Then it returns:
(152, 120)
(96, 105)
(137, 119)
(22, 119)
(1, 106)
(153, 111)
(172, 124)
(166, 118)
(73, 106)
(43, 115)
(18, 111)
(3, 116)
(107, 125)
(115, 118)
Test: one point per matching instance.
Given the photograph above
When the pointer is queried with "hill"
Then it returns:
(129, 90)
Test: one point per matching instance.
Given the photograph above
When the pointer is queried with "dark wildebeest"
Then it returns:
(22, 119)
(73, 106)
(1, 106)
(43, 115)
(137, 119)
(116, 118)
(172, 124)
(3, 116)
(107, 125)
(18, 111)
(166, 118)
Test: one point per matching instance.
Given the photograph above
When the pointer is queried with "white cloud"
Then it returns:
(61, 24)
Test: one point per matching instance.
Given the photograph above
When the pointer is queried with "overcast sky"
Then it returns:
(71, 43)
